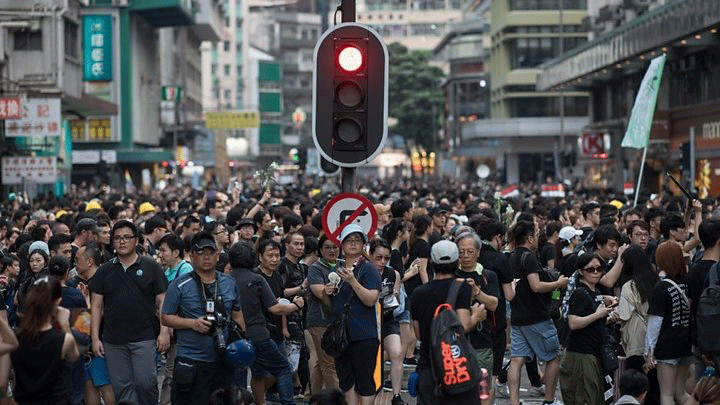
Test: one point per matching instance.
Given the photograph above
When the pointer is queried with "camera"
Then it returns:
(217, 330)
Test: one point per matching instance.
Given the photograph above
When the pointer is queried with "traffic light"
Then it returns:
(328, 168)
(350, 82)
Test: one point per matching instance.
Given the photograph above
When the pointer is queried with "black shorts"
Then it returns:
(390, 328)
(356, 367)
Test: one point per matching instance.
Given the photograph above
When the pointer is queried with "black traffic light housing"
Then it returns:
(350, 95)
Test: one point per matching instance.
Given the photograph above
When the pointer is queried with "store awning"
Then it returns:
(87, 105)
(143, 155)
(675, 21)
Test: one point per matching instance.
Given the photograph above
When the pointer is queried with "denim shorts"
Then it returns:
(96, 370)
(405, 317)
(538, 339)
(682, 361)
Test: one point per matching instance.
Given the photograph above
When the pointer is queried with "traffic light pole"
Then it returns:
(347, 10)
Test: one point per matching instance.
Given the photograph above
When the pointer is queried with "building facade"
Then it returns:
(611, 68)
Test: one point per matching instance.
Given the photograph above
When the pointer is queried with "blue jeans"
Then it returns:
(270, 359)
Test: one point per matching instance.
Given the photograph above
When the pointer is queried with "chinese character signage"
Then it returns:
(38, 117)
(97, 48)
(232, 119)
(171, 93)
(20, 169)
(10, 108)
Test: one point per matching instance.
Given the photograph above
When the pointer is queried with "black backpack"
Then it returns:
(452, 357)
(708, 315)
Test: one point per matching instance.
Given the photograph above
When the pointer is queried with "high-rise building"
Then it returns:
(525, 137)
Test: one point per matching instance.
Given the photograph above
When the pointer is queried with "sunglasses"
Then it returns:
(597, 269)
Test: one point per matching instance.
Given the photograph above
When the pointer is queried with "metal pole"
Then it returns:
(347, 9)
(637, 185)
(560, 173)
(692, 159)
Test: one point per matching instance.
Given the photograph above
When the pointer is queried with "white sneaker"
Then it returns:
(555, 402)
(502, 390)
(537, 391)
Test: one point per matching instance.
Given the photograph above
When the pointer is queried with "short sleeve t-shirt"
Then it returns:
(674, 340)
(528, 307)
(481, 335)
(588, 340)
(255, 297)
(317, 313)
(547, 253)
(183, 298)
(362, 320)
(388, 289)
(425, 300)
(493, 260)
(696, 282)
(127, 319)
(421, 250)
(274, 322)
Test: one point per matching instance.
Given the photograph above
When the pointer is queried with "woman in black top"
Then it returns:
(44, 349)
(581, 376)
(416, 273)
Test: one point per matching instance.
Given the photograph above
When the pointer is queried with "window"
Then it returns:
(226, 70)
(531, 52)
(71, 39)
(213, 68)
(548, 107)
(26, 40)
(547, 4)
(227, 94)
(226, 46)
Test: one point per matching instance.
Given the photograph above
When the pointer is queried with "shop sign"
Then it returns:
(10, 108)
(711, 130)
(593, 143)
(97, 48)
(38, 117)
(20, 169)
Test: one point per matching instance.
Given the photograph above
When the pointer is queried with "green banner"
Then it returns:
(97, 48)
(641, 118)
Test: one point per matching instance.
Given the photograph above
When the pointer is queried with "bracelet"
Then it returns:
(296, 306)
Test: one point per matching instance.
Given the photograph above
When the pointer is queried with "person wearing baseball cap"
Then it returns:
(360, 287)
(425, 300)
(197, 350)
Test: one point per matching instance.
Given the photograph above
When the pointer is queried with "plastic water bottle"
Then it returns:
(483, 385)
(412, 384)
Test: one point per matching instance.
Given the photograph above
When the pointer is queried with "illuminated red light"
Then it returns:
(350, 59)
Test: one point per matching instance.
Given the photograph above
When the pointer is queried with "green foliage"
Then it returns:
(413, 89)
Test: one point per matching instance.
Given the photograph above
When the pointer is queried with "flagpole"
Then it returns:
(637, 185)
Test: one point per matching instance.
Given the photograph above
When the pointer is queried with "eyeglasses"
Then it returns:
(591, 269)
(641, 234)
(220, 231)
(353, 240)
(123, 238)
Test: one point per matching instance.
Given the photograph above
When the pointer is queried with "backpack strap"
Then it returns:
(713, 274)
(453, 293)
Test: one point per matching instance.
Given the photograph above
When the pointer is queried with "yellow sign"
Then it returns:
(232, 119)
(100, 129)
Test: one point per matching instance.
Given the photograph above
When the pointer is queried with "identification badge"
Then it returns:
(209, 306)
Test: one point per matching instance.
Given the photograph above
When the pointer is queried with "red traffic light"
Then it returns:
(350, 59)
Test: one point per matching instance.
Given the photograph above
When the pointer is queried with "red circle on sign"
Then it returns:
(364, 203)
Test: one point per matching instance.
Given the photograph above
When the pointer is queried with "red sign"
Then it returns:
(345, 209)
(10, 108)
(593, 143)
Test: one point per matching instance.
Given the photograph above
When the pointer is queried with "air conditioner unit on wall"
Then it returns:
(611, 12)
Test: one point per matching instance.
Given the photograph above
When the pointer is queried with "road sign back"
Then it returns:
(345, 209)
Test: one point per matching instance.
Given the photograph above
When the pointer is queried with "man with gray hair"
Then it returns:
(486, 291)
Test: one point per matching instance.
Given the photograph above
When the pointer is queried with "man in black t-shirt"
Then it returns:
(533, 332)
(126, 294)
(425, 299)
(485, 290)
(697, 280)
(492, 233)
(269, 252)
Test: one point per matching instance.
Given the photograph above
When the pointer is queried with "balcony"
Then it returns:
(164, 13)
(297, 43)
(208, 21)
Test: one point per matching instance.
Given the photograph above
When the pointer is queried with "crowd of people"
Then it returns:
(114, 298)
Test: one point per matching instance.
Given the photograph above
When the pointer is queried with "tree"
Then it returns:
(413, 90)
